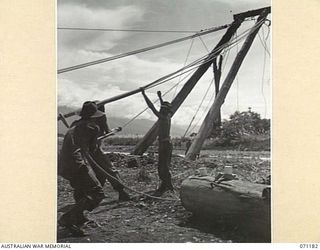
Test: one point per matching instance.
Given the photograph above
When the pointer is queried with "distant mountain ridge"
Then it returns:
(137, 127)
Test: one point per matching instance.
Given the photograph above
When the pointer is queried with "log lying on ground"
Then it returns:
(244, 202)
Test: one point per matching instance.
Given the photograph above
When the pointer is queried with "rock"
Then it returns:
(133, 163)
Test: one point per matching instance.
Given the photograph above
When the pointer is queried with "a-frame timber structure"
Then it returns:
(214, 58)
(214, 111)
(221, 94)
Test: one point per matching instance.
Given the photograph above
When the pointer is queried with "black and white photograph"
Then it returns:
(164, 121)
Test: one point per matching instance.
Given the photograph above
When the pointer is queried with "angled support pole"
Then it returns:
(151, 135)
(63, 119)
(217, 68)
(206, 126)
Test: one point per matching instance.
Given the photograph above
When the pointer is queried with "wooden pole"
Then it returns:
(151, 135)
(217, 77)
(251, 13)
(206, 126)
(240, 16)
(84, 65)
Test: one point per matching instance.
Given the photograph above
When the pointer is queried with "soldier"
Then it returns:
(165, 146)
(102, 121)
(103, 160)
(75, 166)
(80, 163)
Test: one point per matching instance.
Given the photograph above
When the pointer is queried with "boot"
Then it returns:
(69, 221)
(73, 219)
(123, 196)
(82, 219)
(163, 188)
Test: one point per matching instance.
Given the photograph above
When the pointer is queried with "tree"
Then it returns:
(244, 123)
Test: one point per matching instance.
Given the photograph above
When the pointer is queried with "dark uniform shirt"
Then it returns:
(77, 140)
(71, 159)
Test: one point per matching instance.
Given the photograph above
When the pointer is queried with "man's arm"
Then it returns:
(83, 159)
(104, 124)
(79, 160)
(149, 103)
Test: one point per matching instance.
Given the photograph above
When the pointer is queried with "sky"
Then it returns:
(252, 88)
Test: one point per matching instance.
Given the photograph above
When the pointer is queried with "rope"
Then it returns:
(127, 30)
(185, 62)
(226, 56)
(84, 65)
(204, 111)
(262, 80)
(124, 185)
(227, 51)
(204, 59)
(132, 119)
(264, 42)
(191, 66)
(195, 62)
(204, 45)
(173, 75)
(237, 79)
(207, 90)
(79, 66)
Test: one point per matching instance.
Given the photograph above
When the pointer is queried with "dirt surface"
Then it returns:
(149, 220)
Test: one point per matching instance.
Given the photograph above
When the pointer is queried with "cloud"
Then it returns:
(116, 77)
(72, 15)
(72, 95)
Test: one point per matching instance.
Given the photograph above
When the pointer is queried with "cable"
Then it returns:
(127, 30)
(200, 60)
(211, 97)
(237, 79)
(132, 119)
(264, 44)
(266, 38)
(227, 55)
(203, 112)
(204, 45)
(96, 165)
(83, 65)
(207, 90)
(163, 79)
(225, 59)
(185, 62)
(204, 58)
(213, 94)
(262, 80)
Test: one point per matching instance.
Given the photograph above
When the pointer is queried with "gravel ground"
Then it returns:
(146, 220)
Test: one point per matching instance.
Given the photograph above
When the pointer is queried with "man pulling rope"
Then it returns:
(79, 154)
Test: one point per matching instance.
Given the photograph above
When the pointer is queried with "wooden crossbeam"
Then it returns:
(252, 13)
